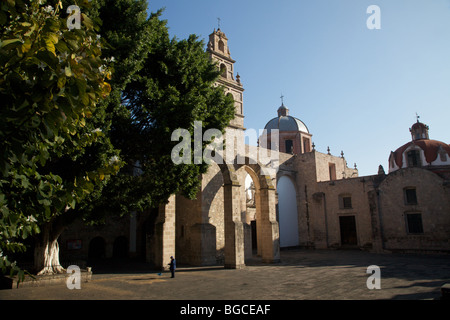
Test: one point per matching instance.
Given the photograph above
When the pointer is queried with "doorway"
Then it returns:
(348, 231)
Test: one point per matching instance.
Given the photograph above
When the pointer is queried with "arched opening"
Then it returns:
(253, 235)
(250, 216)
(221, 46)
(267, 237)
(97, 248)
(223, 70)
(287, 211)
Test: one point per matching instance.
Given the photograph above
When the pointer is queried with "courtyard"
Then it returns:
(301, 275)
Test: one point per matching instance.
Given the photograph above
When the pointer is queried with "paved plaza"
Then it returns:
(301, 274)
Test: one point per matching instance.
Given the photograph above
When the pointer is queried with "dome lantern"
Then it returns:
(294, 136)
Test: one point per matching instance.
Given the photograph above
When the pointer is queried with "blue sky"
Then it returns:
(357, 90)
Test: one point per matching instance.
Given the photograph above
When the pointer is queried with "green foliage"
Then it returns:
(74, 100)
(51, 79)
(174, 88)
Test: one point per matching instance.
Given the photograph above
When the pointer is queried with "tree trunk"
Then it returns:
(46, 251)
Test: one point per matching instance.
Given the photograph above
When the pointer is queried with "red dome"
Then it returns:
(429, 147)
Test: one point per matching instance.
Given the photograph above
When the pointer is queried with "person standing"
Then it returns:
(172, 266)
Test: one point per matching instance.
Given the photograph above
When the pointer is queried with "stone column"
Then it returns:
(234, 227)
(164, 245)
(270, 237)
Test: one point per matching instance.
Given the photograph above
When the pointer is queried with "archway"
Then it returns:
(223, 70)
(267, 229)
(287, 212)
(251, 209)
(233, 223)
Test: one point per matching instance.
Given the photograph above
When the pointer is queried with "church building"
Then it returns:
(313, 201)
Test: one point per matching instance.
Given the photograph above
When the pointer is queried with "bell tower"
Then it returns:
(220, 53)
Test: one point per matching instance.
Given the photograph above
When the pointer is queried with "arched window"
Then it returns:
(414, 158)
(221, 46)
(442, 154)
(306, 145)
(223, 70)
(289, 145)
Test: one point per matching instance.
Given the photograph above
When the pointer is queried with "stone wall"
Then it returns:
(327, 208)
(76, 240)
(433, 204)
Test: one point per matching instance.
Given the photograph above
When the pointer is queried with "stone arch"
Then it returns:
(289, 175)
(268, 236)
(228, 173)
(253, 235)
(269, 247)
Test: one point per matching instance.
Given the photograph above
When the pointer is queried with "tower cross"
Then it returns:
(218, 23)
(282, 101)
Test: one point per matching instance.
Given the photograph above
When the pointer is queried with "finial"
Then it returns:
(313, 146)
(417, 116)
(218, 23)
(328, 149)
(342, 154)
(282, 101)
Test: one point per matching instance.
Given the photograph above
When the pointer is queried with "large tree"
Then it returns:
(124, 29)
(51, 80)
(174, 88)
(61, 164)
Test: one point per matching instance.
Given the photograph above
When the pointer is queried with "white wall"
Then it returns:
(287, 208)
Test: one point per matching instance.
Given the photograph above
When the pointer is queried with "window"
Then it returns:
(410, 195)
(306, 146)
(221, 46)
(392, 159)
(345, 202)
(223, 70)
(442, 154)
(332, 171)
(414, 158)
(289, 146)
(414, 223)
